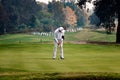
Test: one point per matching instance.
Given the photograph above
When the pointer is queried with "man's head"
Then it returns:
(61, 29)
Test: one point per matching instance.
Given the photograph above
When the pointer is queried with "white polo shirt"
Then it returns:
(58, 35)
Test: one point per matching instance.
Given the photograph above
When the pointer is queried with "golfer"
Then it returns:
(58, 41)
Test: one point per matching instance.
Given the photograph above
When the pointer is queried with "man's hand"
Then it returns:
(59, 42)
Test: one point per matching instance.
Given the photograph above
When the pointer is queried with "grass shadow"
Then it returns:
(103, 32)
(11, 70)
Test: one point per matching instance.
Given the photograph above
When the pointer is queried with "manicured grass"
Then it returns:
(24, 56)
(34, 61)
(24, 38)
(78, 58)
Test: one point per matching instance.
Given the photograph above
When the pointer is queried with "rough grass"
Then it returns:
(95, 35)
(60, 76)
(84, 35)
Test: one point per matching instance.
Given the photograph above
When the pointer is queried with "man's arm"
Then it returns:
(55, 37)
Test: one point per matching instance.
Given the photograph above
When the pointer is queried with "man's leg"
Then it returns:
(61, 51)
(54, 50)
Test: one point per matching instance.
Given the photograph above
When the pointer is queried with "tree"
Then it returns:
(70, 17)
(106, 19)
(94, 20)
(46, 21)
(105, 10)
(18, 12)
(56, 8)
(78, 12)
(3, 20)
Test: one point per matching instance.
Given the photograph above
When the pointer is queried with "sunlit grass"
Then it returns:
(78, 58)
(24, 56)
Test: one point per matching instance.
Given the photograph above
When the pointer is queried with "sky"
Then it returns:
(45, 1)
(88, 5)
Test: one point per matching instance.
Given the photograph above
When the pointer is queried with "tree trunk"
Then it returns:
(118, 30)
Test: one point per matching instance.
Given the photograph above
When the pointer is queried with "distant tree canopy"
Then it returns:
(106, 10)
(17, 13)
(56, 8)
(29, 15)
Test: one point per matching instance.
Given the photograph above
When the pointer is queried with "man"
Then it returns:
(58, 41)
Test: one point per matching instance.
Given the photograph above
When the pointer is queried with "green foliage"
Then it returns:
(80, 15)
(19, 12)
(28, 15)
(56, 8)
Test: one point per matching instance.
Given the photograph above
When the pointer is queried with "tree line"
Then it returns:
(28, 15)
(17, 15)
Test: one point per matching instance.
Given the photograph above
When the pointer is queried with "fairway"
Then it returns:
(24, 56)
(78, 58)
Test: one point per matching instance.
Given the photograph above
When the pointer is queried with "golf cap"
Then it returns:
(61, 28)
